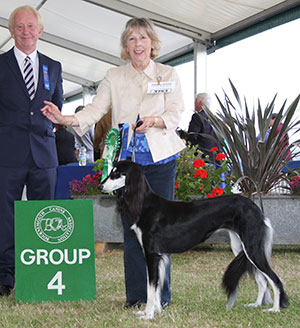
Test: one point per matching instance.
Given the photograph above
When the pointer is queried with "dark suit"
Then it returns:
(28, 150)
(201, 133)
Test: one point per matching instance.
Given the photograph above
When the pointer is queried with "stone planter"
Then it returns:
(107, 221)
(284, 214)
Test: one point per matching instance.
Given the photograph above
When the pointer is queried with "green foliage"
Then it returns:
(99, 165)
(258, 162)
(196, 177)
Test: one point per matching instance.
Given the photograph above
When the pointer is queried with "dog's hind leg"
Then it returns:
(259, 260)
(235, 242)
(264, 295)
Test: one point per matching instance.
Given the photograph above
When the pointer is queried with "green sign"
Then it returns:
(54, 250)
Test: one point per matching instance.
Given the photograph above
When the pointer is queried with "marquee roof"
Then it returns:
(84, 35)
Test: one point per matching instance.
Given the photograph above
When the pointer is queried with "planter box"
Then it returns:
(107, 221)
(284, 214)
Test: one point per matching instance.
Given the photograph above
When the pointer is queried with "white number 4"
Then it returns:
(56, 283)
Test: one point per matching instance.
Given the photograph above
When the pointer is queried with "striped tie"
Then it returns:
(28, 77)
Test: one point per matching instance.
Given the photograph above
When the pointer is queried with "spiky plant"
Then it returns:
(259, 163)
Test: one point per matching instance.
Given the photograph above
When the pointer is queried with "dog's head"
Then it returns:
(115, 180)
(128, 180)
(121, 172)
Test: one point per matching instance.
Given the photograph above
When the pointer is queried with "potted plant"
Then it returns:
(197, 178)
(259, 162)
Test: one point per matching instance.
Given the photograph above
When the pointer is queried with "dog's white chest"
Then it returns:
(138, 233)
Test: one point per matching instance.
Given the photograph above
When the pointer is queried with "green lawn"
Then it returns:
(197, 296)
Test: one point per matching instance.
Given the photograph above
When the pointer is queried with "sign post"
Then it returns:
(54, 250)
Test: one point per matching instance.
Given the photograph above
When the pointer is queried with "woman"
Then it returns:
(143, 91)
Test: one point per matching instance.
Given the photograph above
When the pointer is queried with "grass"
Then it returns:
(197, 296)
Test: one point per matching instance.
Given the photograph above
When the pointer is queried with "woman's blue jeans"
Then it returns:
(162, 180)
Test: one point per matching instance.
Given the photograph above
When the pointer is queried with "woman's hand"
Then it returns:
(149, 122)
(52, 112)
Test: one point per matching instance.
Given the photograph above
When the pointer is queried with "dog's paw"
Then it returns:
(143, 315)
(252, 305)
(272, 309)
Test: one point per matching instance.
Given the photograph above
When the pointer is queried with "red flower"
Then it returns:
(201, 174)
(295, 179)
(218, 191)
(87, 178)
(176, 185)
(211, 195)
(213, 149)
(198, 163)
(220, 156)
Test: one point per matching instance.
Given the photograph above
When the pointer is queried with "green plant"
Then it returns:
(197, 177)
(89, 185)
(258, 162)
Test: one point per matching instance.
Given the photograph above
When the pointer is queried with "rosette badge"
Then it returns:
(112, 142)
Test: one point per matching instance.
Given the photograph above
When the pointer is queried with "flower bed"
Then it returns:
(196, 177)
(89, 185)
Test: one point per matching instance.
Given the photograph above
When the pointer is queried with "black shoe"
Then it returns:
(133, 304)
(5, 290)
(164, 304)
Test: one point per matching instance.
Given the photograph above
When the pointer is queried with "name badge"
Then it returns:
(46, 78)
(161, 87)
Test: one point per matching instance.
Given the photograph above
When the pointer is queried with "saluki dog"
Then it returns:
(163, 227)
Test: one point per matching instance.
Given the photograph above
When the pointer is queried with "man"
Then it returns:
(28, 143)
(65, 145)
(200, 131)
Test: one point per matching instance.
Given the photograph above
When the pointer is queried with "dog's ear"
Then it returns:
(134, 193)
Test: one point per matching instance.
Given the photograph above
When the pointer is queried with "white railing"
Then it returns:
(280, 188)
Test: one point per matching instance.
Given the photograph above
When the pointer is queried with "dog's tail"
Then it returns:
(236, 269)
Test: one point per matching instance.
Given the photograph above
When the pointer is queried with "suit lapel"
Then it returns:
(14, 66)
(40, 86)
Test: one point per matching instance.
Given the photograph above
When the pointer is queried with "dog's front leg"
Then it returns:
(156, 275)
(153, 304)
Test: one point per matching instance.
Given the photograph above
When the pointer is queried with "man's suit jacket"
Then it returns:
(201, 133)
(23, 128)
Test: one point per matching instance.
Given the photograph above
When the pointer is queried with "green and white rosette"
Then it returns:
(112, 142)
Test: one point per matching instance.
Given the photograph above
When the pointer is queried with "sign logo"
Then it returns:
(54, 224)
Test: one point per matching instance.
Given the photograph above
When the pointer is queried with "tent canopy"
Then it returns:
(84, 35)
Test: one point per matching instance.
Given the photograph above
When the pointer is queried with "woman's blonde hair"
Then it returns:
(25, 8)
(149, 28)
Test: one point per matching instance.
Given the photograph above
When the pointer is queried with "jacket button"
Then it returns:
(31, 113)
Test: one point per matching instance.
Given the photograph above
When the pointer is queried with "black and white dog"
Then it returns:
(164, 227)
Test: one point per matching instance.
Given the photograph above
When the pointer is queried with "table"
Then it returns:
(67, 173)
(292, 165)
